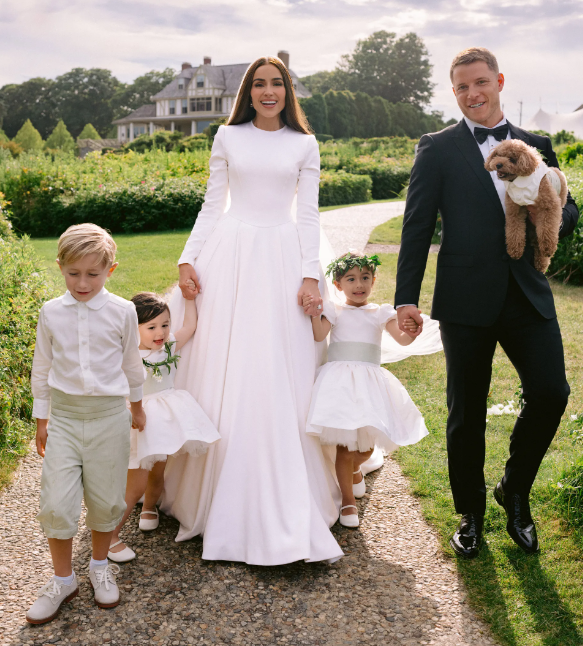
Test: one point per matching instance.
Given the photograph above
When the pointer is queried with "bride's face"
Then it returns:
(268, 91)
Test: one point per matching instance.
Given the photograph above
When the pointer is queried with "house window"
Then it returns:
(139, 130)
(181, 85)
(201, 104)
(200, 81)
(184, 106)
(173, 107)
(218, 104)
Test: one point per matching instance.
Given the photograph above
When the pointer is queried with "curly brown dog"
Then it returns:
(529, 181)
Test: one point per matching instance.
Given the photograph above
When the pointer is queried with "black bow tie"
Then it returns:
(500, 133)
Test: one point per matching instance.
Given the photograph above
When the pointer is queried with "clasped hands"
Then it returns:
(410, 320)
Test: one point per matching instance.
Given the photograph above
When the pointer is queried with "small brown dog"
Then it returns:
(529, 181)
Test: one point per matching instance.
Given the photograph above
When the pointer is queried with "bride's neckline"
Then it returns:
(268, 131)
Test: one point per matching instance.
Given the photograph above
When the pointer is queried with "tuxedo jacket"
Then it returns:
(473, 266)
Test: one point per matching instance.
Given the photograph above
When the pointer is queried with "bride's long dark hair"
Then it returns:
(292, 114)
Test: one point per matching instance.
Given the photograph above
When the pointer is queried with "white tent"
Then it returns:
(553, 123)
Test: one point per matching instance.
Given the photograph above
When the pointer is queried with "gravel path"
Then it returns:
(394, 586)
(350, 227)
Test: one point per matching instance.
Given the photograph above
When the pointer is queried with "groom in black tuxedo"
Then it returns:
(483, 297)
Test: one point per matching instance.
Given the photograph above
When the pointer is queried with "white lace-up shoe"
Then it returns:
(148, 524)
(104, 585)
(50, 599)
(359, 488)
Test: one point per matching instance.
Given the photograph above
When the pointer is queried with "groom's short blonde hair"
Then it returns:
(83, 239)
(473, 55)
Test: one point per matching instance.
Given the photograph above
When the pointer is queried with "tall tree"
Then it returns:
(28, 137)
(321, 82)
(29, 100)
(397, 69)
(84, 96)
(134, 95)
(316, 113)
(382, 125)
(60, 139)
(340, 113)
(363, 115)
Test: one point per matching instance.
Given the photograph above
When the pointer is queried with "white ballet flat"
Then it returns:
(124, 556)
(351, 520)
(359, 489)
(148, 524)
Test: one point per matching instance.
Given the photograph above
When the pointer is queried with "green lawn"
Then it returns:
(390, 232)
(527, 600)
(147, 261)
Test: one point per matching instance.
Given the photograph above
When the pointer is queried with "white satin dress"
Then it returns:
(263, 494)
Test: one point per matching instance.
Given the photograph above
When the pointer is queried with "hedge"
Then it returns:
(23, 289)
(158, 205)
(343, 188)
(389, 177)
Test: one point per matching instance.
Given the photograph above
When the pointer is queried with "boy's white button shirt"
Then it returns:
(87, 348)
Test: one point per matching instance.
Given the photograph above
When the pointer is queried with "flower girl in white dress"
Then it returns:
(356, 404)
(175, 423)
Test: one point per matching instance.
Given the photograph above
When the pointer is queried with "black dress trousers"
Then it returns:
(534, 346)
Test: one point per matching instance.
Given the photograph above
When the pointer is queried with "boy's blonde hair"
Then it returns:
(83, 239)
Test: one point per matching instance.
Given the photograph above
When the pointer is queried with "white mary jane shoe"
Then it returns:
(359, 489)
(127, 554)
(148, 524)
(351, 520)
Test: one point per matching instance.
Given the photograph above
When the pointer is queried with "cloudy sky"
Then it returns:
(538, 42)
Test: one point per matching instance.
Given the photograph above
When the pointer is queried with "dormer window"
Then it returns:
(181, 84)
(200, 81)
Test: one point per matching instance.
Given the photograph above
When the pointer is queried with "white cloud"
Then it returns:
(537, 44)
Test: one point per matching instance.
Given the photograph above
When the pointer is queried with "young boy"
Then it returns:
(86, 362)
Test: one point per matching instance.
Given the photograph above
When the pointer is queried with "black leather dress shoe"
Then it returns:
(520, 524)
(467, 538)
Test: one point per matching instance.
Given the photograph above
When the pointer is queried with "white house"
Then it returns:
(193, 100)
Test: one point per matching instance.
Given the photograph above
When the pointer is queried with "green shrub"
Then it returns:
(194, 142)
(28, 137)
(127, 207)
(343, 188)
(60, 139)
(569, 495)
(321, 137)
(570, 154)
(23, 289)
(12, 147)
(89, 132)
(567, 263)
(3, 137)
(160, 140)
(389, 177)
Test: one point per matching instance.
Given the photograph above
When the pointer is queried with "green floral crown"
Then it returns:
(345, 263)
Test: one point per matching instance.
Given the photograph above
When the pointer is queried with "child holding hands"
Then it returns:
(176, 423)
(356, 404)
(86, 362)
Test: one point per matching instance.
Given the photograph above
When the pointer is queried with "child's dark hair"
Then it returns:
(342, 265)
(149, 306)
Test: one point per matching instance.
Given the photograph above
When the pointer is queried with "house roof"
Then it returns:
(225, 77)
(143, 112)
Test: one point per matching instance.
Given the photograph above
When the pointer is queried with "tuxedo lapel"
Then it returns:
(518, 133)
(468, 146)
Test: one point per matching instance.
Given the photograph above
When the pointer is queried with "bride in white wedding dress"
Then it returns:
(263, 494)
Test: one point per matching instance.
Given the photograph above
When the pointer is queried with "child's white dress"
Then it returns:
(175, 423)
(355, 402)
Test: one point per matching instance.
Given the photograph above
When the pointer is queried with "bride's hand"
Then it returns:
(188, 281)
(310, 292)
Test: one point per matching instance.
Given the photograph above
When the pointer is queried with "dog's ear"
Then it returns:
(488, 165)
(527, 162)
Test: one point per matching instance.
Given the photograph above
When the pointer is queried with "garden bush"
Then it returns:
(388, 176)
(567, 263)
(569, 496)
(23, 289)
(339, 187)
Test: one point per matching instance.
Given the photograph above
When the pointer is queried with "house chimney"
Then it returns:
(186, 66)
(284, 56)
(207, 60)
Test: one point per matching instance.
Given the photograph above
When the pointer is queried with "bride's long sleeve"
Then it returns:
(308, 216)
(215, 200)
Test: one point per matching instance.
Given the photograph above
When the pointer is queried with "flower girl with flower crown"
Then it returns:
(175, 423)
(357, 405)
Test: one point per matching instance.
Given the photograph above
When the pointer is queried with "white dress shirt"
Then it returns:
(486, 148)
(86, 348)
